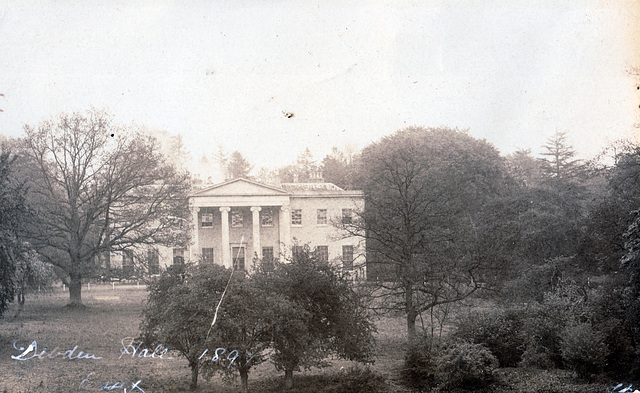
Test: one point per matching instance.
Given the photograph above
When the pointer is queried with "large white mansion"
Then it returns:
(238, 221)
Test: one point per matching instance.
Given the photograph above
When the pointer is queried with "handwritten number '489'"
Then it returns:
(218, 355)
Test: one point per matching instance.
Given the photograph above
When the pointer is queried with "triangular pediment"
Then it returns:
(240, 187)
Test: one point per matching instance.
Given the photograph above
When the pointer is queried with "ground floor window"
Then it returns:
(207, 255)
(178, 256)
(322, 253)
(238, 258)
(347, 257)
(153, 261)
(296, 251)
(127, 264)
(267, 258)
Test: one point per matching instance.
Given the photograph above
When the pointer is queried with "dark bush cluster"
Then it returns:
(449, 365)
(498, 330)
(419, 369)
(588, 331)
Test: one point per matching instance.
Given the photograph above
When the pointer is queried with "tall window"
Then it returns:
(207, 255)
(322, 253)
(238, 258)
(296, 217)
(237, 218)
(347, 216)
(347, 257)
(267, 258)
(266, 216)
(127, 264)
(322, 216)
(207, 219)
(153, 261)
(178, 256)
(296, 251)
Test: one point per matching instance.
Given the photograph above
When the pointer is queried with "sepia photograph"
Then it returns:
(336, 196)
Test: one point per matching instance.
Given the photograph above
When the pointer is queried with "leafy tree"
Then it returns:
(238, 166)
(31, 273)
(550, 200)
(13, 212)
(267, 176)
(301, 171)
(221, 157)
(302, 311)
(339, 168)
(247, 319)
(424, 189)
(524, 168)
(98, 187)
(190, 296)
(171, 147)
(609, 216)
(318, 314)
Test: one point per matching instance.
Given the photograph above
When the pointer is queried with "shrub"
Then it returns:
(545, 322)
(499, 330)
(615, 310)
(583, 349)
(542, 329)
(357, 380)
(463, 364)
(419, 364)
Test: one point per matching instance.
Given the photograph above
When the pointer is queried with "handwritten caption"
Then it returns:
(87, 383)
(32, 352)
(129, 348)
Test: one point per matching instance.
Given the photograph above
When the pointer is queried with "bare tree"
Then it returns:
(98, 187)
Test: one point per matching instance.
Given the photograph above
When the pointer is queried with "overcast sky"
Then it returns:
(350, 72)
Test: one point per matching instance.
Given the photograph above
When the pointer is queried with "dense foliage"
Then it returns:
(13, 212)
(296, 313)
(428, 194)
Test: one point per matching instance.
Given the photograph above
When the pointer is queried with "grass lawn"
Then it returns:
(112, 315)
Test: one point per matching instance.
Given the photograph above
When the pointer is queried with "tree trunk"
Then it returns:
(75, 290)
(288, 379)
(244, 380)
(20, 295)
(194, 375)
(411, 313)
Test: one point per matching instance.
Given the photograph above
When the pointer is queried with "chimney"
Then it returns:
(316, 176)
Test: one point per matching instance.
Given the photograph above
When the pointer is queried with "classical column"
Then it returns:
(285, 231)
(255, 218)
(226, 251)
(195, 250)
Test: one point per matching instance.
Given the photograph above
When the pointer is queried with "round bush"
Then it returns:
(499, 330)
(419, 365)
(463, 364)
(583, 349)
